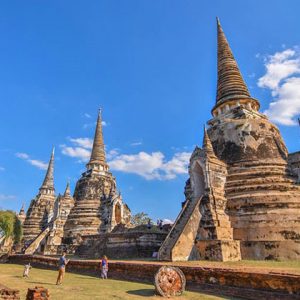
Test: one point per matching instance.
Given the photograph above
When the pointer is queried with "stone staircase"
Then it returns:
(178, 230)
(35, 244)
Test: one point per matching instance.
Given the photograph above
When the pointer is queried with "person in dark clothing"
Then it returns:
(62, 268)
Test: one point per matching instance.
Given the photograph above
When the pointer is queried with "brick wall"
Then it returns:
(245, 284)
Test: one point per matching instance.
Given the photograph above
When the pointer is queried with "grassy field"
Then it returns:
(83, 287)
(292, 266)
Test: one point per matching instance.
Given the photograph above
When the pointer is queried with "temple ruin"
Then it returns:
(242, 198)
(98, 205)
(53, 224)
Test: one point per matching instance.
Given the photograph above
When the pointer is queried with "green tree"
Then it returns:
(10, 225)
(140, 219)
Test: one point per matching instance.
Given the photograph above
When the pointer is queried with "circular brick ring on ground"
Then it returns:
(169, 281)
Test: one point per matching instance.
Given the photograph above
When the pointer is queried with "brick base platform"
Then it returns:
(9, 294)
(38, 293)
(247, 284)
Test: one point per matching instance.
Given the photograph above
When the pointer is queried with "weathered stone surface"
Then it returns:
(40, 211)
(169, 281)
(38, 293)
(126, 244)
(98, 206)
(250, 199)
(22, 215)
(294, 163)
(54, 224)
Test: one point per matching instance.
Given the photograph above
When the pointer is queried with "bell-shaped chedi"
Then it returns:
(40, 210)
(240, 192)
(98, 207)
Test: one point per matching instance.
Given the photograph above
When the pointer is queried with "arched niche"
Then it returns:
(198, 180)
(118, 216)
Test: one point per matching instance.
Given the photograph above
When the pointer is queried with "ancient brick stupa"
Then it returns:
(22, 215)
(40, 210)
(242, 200)
(98, 206)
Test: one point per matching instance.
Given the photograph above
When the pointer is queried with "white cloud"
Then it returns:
(136, 144)
(22, 155)
(87, 115)
(104, 123)
(82, 154)
(82, 142)
(112, 153)
(282, 78)
(4, 197)
(34, 162)
(167, 221)
(177, 165)
(80, 149)
(2, 169)
(152, 166)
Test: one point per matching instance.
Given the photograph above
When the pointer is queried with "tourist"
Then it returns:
(160, 224)
(26, 270)
(104, 267)
(149, 225)
(62, 268)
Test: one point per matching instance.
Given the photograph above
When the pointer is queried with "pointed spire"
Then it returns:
(48, 182)
(98, 151)
(207, 145)
(22, 210)
(231, 84)
(67, 192)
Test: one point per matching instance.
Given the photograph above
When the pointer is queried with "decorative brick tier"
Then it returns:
(247, 284)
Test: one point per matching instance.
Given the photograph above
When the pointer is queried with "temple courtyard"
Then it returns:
(79, 286)
(76, 286)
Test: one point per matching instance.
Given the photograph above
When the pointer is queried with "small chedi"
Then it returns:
(53, 224)
(242, 197)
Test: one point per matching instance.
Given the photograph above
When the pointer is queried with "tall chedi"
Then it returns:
(246, 197)
(98, 206)
(40, 210)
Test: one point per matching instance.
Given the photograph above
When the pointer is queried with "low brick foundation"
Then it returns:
(38, 293)
(232, 282)
(9, 294)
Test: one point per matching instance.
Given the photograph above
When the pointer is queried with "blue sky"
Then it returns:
(151, 66)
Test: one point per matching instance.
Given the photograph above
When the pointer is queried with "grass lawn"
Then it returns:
(288, 266)
(83, 287)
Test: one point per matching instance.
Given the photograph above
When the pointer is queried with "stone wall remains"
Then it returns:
(121, 245)
(245, 284)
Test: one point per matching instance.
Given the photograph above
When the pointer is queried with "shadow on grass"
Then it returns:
(142, 292)
(38, 282)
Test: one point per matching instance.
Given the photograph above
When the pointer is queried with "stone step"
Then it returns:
(260, 164)
(261, 187)
(258, 174)
(260, 180)
(261, 194)
(177, 228)
(256, 168)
